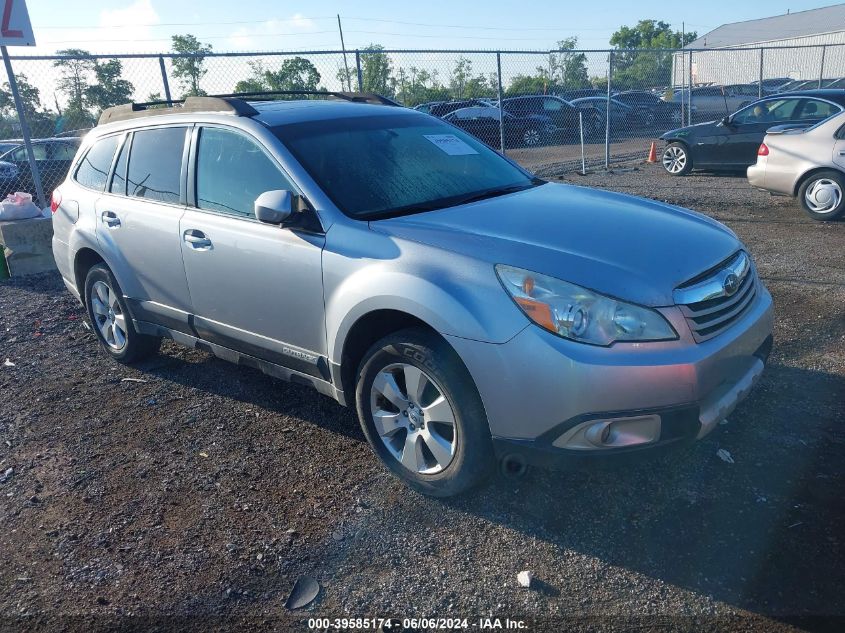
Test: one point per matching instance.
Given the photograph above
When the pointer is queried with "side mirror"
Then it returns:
(274, 207)
(726, 121)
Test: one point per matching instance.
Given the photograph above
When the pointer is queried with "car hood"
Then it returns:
(631, 248)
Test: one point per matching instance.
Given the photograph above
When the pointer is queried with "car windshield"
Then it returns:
(383, 166)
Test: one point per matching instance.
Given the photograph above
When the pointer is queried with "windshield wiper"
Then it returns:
(498, 191)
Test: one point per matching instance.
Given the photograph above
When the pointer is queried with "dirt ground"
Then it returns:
(189, 494)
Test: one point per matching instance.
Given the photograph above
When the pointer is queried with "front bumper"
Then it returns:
(540, 390)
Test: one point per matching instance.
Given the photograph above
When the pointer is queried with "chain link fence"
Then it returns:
(560, 110)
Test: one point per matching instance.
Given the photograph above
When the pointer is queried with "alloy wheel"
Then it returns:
(823, 196)
(674, 159)
(413, 418)
(108, 317)
(531, 137)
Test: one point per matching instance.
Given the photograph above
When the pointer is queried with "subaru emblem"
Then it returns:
(731, 284)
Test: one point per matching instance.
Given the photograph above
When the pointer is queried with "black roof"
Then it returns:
(836, 95)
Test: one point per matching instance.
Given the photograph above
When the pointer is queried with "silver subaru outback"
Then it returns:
(474, 315)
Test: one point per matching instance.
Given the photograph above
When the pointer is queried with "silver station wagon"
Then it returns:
(474, 315)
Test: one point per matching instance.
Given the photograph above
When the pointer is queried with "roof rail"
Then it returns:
(233, 103)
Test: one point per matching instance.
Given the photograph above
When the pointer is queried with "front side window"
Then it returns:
(155, 164)
(387, 165)
(118, 179)
(232, 171)
(94, 168)
(62, 151)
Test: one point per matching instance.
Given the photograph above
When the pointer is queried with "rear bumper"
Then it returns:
(542, 392)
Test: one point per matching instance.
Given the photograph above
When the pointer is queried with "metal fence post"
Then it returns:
(500, 92)
(760, 86)
(27, 141)
(607, 112)
(360, 73)
(689, 101)
(821, 66)
(164, 81)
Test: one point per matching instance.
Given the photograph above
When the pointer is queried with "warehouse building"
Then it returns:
(820, 34)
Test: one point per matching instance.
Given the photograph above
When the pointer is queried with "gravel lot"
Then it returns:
(193, 495)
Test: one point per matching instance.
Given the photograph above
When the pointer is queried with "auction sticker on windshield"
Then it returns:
(450, 144)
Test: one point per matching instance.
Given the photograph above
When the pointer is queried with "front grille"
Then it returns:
(708, 305)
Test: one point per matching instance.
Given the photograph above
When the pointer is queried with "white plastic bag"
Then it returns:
(18, 206)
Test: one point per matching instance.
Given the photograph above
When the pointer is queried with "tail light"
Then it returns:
(55, 201)
(763, 150)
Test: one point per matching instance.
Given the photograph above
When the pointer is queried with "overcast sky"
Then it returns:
(118, 26)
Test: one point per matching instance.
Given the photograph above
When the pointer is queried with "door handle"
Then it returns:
(842, 153)
(197, 240)
(110, 219)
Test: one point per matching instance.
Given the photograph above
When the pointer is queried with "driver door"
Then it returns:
(749, 128)
(255, 287)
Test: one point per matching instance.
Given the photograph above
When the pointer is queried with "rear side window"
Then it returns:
(94, 168)
(62, 151)
(155, 164)
(39, 150)
(232, 171)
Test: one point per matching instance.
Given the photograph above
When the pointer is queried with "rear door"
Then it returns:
(255, 287)
(839, 148)
(137, 221)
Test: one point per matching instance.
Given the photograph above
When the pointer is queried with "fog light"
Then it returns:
(611, 433)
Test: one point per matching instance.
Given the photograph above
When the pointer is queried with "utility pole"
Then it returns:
(345, 63)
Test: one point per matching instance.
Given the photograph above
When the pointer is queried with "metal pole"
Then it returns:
(821, 67)
(760, 87)
(27, 141)
(689, 101)
(360, 73)
(581, 127)
(683, 64)
(501, 102)
(343, 47)
(607, 113)
(164, 78)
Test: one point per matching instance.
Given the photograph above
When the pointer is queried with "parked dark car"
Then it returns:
(53, 157)
(595, 110)
(562, 114)
(520, 131)
(580, 93)
(442, 108)
(649, 109)
(732, 143)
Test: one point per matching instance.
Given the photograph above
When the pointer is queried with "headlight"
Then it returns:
(580, 314)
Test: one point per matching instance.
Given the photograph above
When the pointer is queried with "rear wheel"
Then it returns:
(532, 137)
(821, 195)
(676, 159)
(110, 318)
(422, 414)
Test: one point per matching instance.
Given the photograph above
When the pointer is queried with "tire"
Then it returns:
(676, 159)
(403, 438)
(822, 195)
(110, 319)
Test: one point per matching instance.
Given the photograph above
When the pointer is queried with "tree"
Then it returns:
(75, 68)
(40, 122)
(295, 74)
(566, 70)
(256, 81)
(110, 89)
(189, 70)
(634, 69)
(376, 70)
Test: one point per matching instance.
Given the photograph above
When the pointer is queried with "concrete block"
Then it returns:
(27, 246)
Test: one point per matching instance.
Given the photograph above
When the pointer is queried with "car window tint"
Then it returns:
(155, 164)
(814, 109)
(772, 111)
(62, 151)
(552, 105)
(232, 171)
(118, 180)
(39, 150)
(94, 168)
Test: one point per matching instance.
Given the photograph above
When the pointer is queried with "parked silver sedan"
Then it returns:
(808, 164)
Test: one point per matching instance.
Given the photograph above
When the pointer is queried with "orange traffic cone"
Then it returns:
(652, 153)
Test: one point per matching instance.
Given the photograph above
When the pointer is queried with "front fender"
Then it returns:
(454, 294)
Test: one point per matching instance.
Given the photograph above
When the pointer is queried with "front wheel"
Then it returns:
(821, 195)
(676, 159)
(422, 414)
(532, 137)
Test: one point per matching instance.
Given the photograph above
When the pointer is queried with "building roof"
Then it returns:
(779, 27)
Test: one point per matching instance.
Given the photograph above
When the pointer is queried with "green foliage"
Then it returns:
(565, 70)
(110, 89)
(40, 122)
(75, 70)
(464, 86)
(376, 71)
(190, 70)
(296, 73)
(633, 69)
(415, 86)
